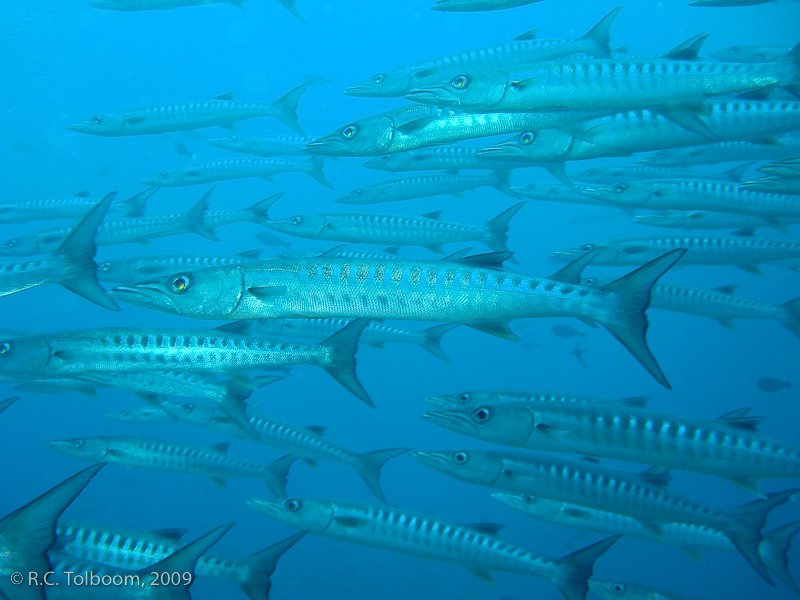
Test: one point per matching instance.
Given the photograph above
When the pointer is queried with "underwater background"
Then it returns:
(64, 61)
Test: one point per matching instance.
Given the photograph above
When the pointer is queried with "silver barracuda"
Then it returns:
(619, 84)
(427, 230)
(307, 443)
(70, 207)
(412, 127)
(445, 158)
(71, 265)
(469, 290)
(720, 304)
(643, 497)
(271, 145)
(135, 550)
(786, 168)
(741, 251)
(27, 533)
(376, 334)
(623, 590)
(128, 270)
(475, 398)
(478, 5)
(222, 111)
(625, 133)
(707, 219)
(178, 568)
(425, 186)
(128, 349)
(524, 49)
(145, 453)
(774, 185)
(127, 5)
(729, 447)
(688, 537)
(742, 54)
(611, 175)
(474, 547)
(709, 154)
(559, 192)
(118, 231)
(238, 168)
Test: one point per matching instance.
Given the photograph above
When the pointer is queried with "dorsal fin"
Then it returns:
(333, 252)
(490, 260)
(572, 272)
(456, 255)
(318, 429)
(737, 173)
(635, 401)
(490, 528)
(81, 194)
(735, 414)
(172, 534)
(688, 50)
(225, 96)
(656, 476)
(528, 35)
(727, 289)
(738, 419)
(221, 447)
(434, 214)
(744, 232)
(250, 253)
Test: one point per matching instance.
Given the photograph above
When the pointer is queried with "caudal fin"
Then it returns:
(259, 212)
(433, 337)
(285, 107)
(78, 250)
(629, 323)
(600, 34)
(791, 316)
(277, 474)
(496, 235)
(744, 529)
(257, 568)
(315, 171)
(503, 184)
(193, 219)
(30, 531)
(134, 206)
(370, 468)
(342, 365)
(774, 551)
(292, 8)
(577, 568)
(8, 402)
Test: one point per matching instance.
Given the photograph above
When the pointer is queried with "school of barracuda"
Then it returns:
(562, 99)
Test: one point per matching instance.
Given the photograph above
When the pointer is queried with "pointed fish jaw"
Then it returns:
(455, 421)
(508, 150)
(271, 508)
(434, 95)
(604, 193)
(435, 460)
(567, 255)
(93, 450)
(146, 295)
(327, 146)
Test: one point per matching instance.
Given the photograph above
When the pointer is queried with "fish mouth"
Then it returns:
(438, 96)
(566, 255)
(449, 420)
(82, 127)
(504, 151)
(326, 146)
(153, 181)
(361, 90)
(271, 508)
(436, 460)
(600, 193)
(148, 295)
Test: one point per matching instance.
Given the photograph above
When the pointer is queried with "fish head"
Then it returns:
(117, 271)
(142, 414)
(26, 245)
(212, 293)
(109, 124)
(509, 424)
(618, 590)
(608, 254)
(468, 399)
(91, 449)
(389, 84)
(473, 466)
(373, 194)
(309, 515)
(194, 413)
(367, 137)
(234, 143)
(25, 356)
(475, 91)
(545, 145)
(628, 194)
(307, 226)
(186, 176)
(543, 509)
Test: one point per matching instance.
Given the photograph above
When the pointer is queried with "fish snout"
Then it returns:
(431, 459)
(437, 96)
(509, 150)
(448, 419)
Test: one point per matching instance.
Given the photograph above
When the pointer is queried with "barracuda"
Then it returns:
(719, 304)
(473, 547)
(238, 168)
(709, 154)
(523, 49)
(707, 219)
(128, 270)
(134, 550)
(741, 251)
(71, 207)
(376, 334)
(611, 175)
(271, 145)
(558, 192)
(414, 127)
(144, 453)
(729, 447)
(689, 538)
(222, 111)
(619, 84)
(447, 158)
(774, 185)
(71, 265)
(676, 194)
(478, 5)
(643, 497)
(619, 590)
(466, 290)
(127, 349)
(427, 230)
(477, 398)
(625, 133)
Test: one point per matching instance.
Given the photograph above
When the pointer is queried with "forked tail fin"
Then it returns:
(432, 337)
(601, 34)
(573, 582)
(370, 468)
(342, 366)
(286, 106)
(257, 568)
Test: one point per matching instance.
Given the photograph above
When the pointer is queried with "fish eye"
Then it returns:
(78, 444)
(662, 213)
(297, 220)
(97, 119)
(5, 348)
(10, 243)
(356, 192)
(292, 505)
(481, 415)
(386, 158)
(179, 284)
(591, 171)
(188, 407)
(529, 499)
(463, 398)
(618, 588)
(588, 281)
(233, 138)
(695, 215)
(587, 247)
(620, 188)
(460, 82)
(460, 458)
(163, 174)
(350, 131)
(379, 78)
(106, 266)
(527, 138)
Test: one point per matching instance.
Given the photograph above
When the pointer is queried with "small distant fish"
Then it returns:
(565, 331)
(103, 171)
(772, 385)
(479, 5)
(742, 54)
(21, 147)
(579, 352)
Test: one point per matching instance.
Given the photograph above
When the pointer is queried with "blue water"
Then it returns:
(64, 61)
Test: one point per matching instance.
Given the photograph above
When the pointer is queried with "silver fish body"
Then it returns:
(69, 207)
(273, 145)
(558, 192)
(709, 154)
(476, 398)
(611, 175)
(742, 54)
(127, 270)
(707, 219)
(445, 158)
